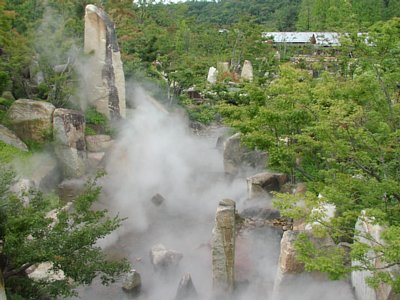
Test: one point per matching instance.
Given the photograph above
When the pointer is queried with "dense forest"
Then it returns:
(331, 123)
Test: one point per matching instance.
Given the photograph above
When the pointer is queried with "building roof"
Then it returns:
(317, 38)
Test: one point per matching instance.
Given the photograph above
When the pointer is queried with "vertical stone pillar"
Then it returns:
(287, 260)
(105, 81)
(223, 247)
(247, 71)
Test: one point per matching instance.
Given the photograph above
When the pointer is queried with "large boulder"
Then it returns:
(238, 158)
(105, 83)
(247, 71)
(163, 259)
(260, 185)
(8, 137)
(70, 146)
(223, 247)
(31, 119)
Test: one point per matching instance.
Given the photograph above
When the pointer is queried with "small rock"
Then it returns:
(157, 199)
(132, 282)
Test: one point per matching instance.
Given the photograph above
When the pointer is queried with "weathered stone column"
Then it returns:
(223, 247)
(247, 71)
(105, 81)
(287, 260)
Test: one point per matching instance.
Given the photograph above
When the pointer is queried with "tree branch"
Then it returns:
(8, 274)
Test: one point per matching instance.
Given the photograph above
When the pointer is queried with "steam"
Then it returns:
(156, 153)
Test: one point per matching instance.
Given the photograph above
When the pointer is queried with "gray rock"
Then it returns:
(70, 146)
(247, 71)
(96, 159)
(132, 282)
(163, 259)
(223, 247)
(287, 258)
(186, 289)
(105, 83)
(31, 120)
(98, 143)
(238, 158)
(261, 184)
(8, 137)
(261, 213)
(157, 199)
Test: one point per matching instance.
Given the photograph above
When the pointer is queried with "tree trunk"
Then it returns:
(2, 288)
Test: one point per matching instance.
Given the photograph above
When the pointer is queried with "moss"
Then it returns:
(9, 153)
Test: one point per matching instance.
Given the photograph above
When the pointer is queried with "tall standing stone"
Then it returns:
(212, 75)
(247, 71)
(106, 81)
(223, 247)
(69, 135)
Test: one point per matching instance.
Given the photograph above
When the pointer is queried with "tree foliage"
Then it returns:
(44, 231)
(340, 134)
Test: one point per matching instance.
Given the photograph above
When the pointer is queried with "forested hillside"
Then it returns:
(332, 123)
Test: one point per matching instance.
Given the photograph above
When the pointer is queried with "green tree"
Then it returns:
(44, 231)
(340, 135)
